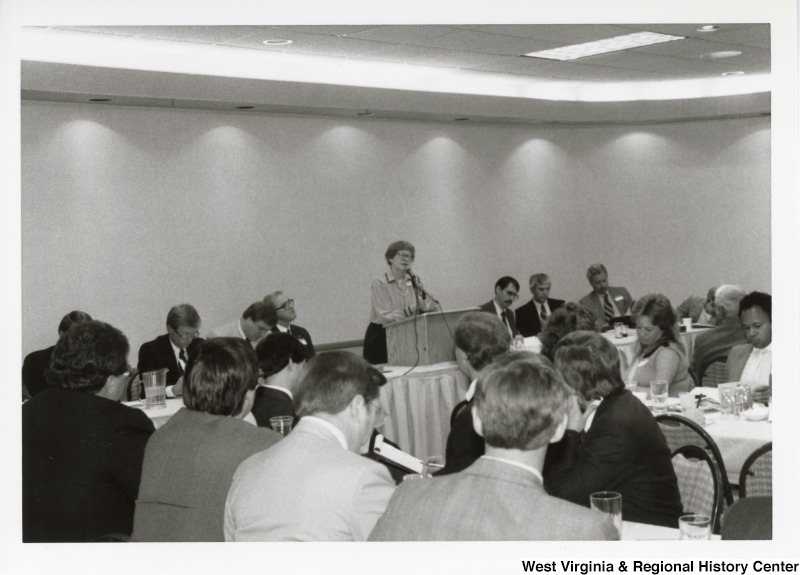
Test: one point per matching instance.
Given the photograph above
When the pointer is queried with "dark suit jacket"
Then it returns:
(158, 354)
(188, 468)
(512, 322)
(717, 341)
(271, 403)
(33, 370)
(300, 333)
(81, 462)
(737, 359)
(489, 501)
(621, 297)
(624, 451)
(464, 446)
(528, 321)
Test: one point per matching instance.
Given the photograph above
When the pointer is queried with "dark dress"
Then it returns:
(81, 462)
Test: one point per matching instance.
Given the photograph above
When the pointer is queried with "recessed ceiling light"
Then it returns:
(99, 99)
(245, 107)
(708, 28)
(615, 44)
(460, 119)
(737, 73)
(721, 54)
(277, 42)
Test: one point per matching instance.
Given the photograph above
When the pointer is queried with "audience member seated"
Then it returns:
(37, 362)
(287, 313)
(566, 319)
(281, 360)
(81, 449)
(506, 292)
(533, 315)
(753, 360)
(189, 462)
(479, 338)
(604, 301)
(257, 321)
(660, 354)
(612, 442)
(314, 485)
(172, 349)
(728, 333)
(520, 406)
(699, 309)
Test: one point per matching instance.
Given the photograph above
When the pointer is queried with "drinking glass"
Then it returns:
(518, 344)
(727, 400)
(282, 424)
(658, 393)
(694, 526)
(155, 388)
(619, 330)
(609, 502)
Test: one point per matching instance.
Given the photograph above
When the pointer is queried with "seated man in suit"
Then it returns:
(281, 361)
(82, 450)
(172, 349)
(479, 339)
(520, 407)
(257, 321)
(700, 309)
(753, 360)
(287, 313)
(728, 333)
(506, 292)
(313, 485)
(606, 302)
(37, 362)
(190, 461)
(532, 315)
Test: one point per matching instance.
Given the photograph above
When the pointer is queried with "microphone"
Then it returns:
(422, 293)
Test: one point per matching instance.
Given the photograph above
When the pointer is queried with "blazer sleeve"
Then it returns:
(370, 500)
(581, 465)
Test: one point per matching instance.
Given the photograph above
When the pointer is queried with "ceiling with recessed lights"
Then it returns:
(444, 54)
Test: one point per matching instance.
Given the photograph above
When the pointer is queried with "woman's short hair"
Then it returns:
(86, 355)
(482, 337)
(589, 363)
(275, 351)
(757, 299)
(565, 319)
(330, 382)
(658, 309)
(183, 315)
(71, 318)
(219, 373)
(521, 400)
(399, 246)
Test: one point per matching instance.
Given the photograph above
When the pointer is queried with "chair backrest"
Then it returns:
(748, 519)
(679, 431)
(694, 376)
(714, 369)
(134, 386)
(756, 476)
(698, 482)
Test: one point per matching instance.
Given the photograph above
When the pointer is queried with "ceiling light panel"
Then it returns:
(598, 47)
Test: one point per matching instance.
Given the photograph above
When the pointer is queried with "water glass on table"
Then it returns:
(727, 400)
(609, 502)
(518, 344)
(695, 526)
(282, 424)
(155, 388)
(659, 389)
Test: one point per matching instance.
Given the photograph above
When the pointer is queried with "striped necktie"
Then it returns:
(543, 315)
(608, 308)
(182, 357)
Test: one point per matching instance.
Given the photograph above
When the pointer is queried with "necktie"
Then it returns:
(543, 315)
(182, 357)
(504, 317)
(608, 308)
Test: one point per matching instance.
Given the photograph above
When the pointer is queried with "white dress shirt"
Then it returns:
(759, 365)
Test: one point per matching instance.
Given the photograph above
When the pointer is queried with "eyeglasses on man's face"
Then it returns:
(287, 303)
(187, 334)
(405, 255)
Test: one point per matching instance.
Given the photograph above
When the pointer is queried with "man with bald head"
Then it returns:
(728, 332)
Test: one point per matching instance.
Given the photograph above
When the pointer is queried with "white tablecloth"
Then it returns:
(418, 406)
(161, 416)
(642, 532)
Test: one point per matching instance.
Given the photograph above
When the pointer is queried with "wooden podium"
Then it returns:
(430, 334)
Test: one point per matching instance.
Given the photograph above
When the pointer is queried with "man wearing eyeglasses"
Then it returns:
(284, 307)
(506, 292)
(172, 349)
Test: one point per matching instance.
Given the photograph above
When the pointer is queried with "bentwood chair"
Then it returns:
(133, 388)
(679, 431)
(698, 482)
(756, 476)
(714, 369)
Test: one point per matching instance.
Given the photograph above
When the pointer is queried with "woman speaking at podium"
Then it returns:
(398, 294)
